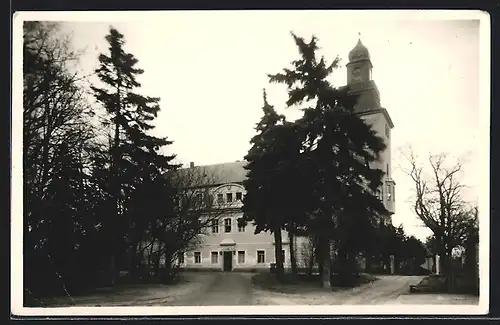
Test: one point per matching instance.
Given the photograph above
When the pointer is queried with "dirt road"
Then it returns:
(226, 289)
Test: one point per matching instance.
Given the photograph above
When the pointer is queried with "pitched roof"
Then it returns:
(218, 174)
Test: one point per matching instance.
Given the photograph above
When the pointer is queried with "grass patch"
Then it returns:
(303, 283)
(122, 292)
(437, 284)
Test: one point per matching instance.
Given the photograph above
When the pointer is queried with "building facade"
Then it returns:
(227, 246)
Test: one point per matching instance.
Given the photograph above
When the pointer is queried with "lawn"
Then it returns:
(437, 284)
(134, 295)
(303, 283)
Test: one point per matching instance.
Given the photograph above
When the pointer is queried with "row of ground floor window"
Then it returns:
(229, 258)
(214, 257)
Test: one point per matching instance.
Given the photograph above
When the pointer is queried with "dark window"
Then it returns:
(220, 198)
(197, 257)
(239, 196)
(389, 192)
(215, 226)
(229, 197)
(241, 227)
(387, 130)
(387, 170)
(227, 225)
(261, 257)
(198, 200)
(181, 258)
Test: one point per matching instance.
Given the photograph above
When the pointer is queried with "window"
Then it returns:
(261, 257)
(379, 195)
(197, 257)
(215, 258)
(241, 227)
(215, 226)
(387, 130)
(387, 170)
(241, 257)
(239, 196)
(181, 258)
(389, 192)
(227, 225)
(393, 193)
(229, 197)
(220, 198)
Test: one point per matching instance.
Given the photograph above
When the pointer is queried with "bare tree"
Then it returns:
(55, 110)
(439, 203)
(194, 211)
(57, 140)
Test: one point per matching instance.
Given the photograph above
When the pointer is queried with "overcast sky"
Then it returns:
(209, 69)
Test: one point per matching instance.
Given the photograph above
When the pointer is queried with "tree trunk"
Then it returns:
(312, 257)
(345, 270)
(311, 264)
(293, 260)
(157, 265)
(368, 263)
(325, 268)
(450, 272)
(277, 252)
(150, 258)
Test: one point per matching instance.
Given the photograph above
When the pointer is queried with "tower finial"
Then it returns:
(359, 35)
(264, 95)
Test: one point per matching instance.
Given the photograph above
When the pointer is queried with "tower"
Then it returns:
(359, 79)
(361, 84)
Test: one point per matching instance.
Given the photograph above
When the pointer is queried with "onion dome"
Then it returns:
(359, 52)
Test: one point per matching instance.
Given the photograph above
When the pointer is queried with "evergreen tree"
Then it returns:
(259, 204)
(276, 183)
(338, 150)
(135, 155)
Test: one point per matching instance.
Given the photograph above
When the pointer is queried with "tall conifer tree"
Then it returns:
(259, 204)
(338, 149)
(135, 155)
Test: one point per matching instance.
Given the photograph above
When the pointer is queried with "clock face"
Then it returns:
(356, 73)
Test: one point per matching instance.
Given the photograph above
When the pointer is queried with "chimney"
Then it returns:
(191, 165)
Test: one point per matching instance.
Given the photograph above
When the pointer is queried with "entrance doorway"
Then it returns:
(228, 261)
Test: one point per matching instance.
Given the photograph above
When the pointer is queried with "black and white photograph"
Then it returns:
(250, 162)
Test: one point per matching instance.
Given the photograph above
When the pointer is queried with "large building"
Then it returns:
(228, 246)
